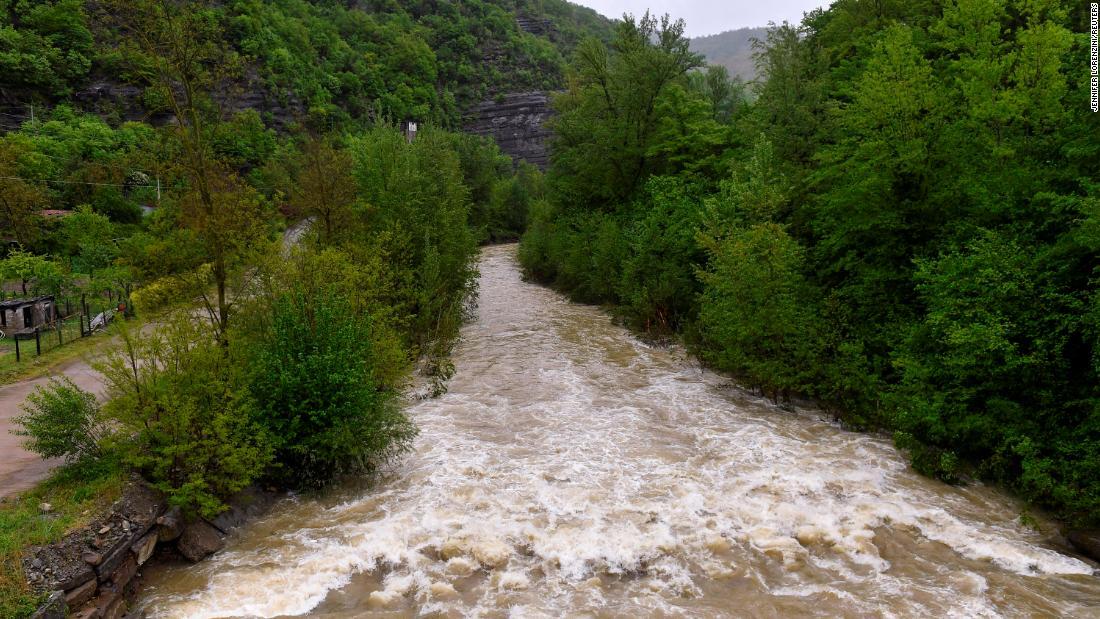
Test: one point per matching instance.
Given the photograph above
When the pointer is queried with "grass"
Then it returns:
(34, 366)
(76, 493)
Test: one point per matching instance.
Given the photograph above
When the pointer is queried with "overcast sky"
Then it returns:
(705, 17)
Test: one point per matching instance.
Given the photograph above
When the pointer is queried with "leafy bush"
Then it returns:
(62, 420)
(316, 381)
(184, 415)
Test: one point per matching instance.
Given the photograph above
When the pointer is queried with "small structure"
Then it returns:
(409, 129)
(24, 315)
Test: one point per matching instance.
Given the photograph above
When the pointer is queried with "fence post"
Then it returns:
(16, 338)
(60, 328)
(38, 341)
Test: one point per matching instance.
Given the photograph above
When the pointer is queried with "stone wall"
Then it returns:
(517, 122)
(92, 572)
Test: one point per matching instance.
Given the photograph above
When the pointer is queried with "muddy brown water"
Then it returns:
(573, 470)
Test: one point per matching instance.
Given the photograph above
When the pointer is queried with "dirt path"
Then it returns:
(20, 469)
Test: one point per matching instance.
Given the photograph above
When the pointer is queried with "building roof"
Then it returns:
(17, 303)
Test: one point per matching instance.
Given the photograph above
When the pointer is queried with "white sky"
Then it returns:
(705, 17)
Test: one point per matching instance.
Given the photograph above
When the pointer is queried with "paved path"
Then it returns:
(20, 469)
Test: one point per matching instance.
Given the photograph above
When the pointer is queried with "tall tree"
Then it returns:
(323, 186)
(610, 112)
(179, 49)
(20, 199)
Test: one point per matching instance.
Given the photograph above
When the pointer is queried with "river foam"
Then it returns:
(574, 470)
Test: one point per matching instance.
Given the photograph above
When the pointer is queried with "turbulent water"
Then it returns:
(573, 470)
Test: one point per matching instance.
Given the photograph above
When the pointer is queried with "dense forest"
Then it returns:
(900, 223)
(315, 63)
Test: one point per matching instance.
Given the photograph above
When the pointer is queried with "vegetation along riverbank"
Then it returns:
(898, 220)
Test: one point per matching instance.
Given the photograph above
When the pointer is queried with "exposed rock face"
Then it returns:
(92, 570)
(517, 122)
(534, 25)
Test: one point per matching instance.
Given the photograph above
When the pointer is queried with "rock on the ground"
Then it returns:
(81, 594)
(170, 525)
(199, 540)
(143, 548)
(52, 567)
(1086, 541)
(246, 505)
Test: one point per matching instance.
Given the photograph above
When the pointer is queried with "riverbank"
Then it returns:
(85, 556)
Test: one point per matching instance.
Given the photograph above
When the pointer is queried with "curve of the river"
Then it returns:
(573, 470)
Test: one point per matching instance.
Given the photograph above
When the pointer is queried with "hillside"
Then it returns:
(731, 49)
(317, 61)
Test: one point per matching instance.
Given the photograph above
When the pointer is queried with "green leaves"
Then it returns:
(62, 420)
(315, 377)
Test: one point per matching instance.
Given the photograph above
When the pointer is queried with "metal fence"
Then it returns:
(19, 347)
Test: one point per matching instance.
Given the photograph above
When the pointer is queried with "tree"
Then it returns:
(607, 117)
(184, 415)
(177, 47)
(90, 239)
(316, 381)
(62, 420)
(24, 266)
(323, 187)
(20, 199)
(230, 219)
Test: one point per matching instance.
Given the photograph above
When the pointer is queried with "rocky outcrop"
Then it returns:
(517, 122)
(534, 25)
(91, 572)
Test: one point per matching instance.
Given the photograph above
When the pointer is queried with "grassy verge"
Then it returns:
(34, 366)
(75, 493)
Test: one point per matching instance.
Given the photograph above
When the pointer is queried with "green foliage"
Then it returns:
(184, 415)
(61, 420)
(609, 116)
(417, 213)
(754, 319)
(320, 394)
(45, 46)
(658, 287)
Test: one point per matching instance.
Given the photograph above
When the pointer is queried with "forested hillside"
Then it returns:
(318, 62)
(731, 49)
(901, 225)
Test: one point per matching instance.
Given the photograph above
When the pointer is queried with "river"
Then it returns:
(573, 470)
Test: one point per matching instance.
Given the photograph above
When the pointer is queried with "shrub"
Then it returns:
(315, 378)
(184, 416)
(62, 420)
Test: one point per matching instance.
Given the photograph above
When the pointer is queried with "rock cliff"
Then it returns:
(517, 122)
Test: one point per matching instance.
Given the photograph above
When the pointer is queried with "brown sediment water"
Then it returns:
(573, 470)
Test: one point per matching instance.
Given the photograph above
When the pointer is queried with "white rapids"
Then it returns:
(573, 470)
